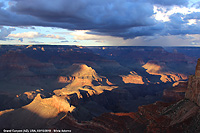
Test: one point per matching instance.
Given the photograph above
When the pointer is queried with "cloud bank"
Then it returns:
(119, 18)
(32, 34)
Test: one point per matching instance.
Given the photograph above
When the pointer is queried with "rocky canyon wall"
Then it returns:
(193, 90)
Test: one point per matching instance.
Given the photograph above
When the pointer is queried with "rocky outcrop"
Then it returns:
(34, 66)
(147, 119)
(133, 78)
(175, 93)
(157, 68)
(182, 116)
(159, 117)
(40, 113)
(193, 90)
(65, 79)
(84, 81)
(20, 73)
(197, 72)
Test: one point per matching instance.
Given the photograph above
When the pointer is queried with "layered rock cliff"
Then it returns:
(40, 113)
(157, 68)
(176, 92)
(193, 92)
(133, 77)
(97, 95)
(83, 81)
(182, 116)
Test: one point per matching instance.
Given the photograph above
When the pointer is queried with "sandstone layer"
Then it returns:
(155, 68)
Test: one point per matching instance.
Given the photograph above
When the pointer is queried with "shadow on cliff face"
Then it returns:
(122, 99)
(14, 101)
(159, 117)
(23, 118)
(40, 113)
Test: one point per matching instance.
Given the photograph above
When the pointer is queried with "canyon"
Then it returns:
(98, 89)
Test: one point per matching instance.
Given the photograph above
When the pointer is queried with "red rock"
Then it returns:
(197, 72)
(176, 93)
(193, 91)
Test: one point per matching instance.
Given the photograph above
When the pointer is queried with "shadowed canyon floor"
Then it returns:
(77, 88)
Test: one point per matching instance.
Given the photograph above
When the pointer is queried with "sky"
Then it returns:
(100, 22)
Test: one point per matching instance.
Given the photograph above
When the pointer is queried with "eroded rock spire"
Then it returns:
(193, 90)
(197, 72)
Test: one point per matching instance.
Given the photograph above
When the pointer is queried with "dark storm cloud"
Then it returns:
(88, 14)
(120, 18)
(8, 18)
(134, 31)
(176, 21)
(108, 17)
(178, 25)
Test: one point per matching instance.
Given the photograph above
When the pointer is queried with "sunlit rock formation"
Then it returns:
(30, 94)
(40, 113)
(133, 77)
(156, 68)
(83, 80)
(182, 116)
(84, 83)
